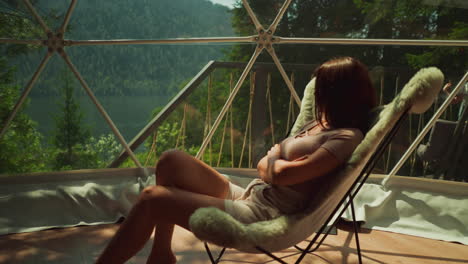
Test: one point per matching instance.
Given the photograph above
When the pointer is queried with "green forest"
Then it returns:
(158, 69)
(129, 70)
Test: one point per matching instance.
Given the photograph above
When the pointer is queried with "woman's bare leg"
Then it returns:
(161, 251)
(162, 206)
(179, 169)
(130, 237)
(175, 169)
(184, 185)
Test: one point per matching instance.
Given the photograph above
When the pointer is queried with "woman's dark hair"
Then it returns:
(344, 95)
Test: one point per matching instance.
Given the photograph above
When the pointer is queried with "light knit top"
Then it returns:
(339, 142)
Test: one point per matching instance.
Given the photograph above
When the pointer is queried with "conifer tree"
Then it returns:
(70, 135)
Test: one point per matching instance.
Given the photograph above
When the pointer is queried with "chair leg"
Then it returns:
(208, 251)
(266, 252)
(355, 224)
(324, 236)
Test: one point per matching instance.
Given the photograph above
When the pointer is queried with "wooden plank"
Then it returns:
(83, 245)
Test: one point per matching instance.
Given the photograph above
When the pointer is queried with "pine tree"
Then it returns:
(70, 136)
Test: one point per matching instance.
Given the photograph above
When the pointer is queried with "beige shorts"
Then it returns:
(260, 201)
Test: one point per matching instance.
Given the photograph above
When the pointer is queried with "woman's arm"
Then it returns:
(265, 165)
(273, 169)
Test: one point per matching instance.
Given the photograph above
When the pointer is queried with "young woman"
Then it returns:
(290, 173)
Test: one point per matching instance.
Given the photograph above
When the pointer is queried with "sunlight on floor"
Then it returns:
(83, 244)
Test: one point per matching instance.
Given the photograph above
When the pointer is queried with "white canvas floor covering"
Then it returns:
(32, 202)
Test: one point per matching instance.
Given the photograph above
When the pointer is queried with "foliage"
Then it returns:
(375, 19)
(166, 137)
(195, 113)
(74, 146)
(103, 149)
(123, 70)
(16, 24)
(159, 69)
(135, 69)
(454, 58)
(20, 146)
(70, 136)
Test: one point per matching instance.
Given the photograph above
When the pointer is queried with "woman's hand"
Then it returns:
(273, 155)
(266, 164)
(274, 152)
(274, 170)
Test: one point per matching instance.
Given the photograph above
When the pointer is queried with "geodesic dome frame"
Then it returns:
(265, 39)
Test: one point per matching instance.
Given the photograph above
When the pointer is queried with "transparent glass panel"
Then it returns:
(20, 23)
(376, 19)
(129, 81)
(149, 19)
(20, 145)
(228, 3)
(264, 10)
(134, 82)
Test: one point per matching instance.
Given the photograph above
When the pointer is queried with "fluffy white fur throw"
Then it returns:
(214, 225)
(307, 108)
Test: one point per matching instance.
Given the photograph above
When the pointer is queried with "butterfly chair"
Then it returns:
(215, 226)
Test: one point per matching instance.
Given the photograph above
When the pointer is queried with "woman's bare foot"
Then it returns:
(162, 258)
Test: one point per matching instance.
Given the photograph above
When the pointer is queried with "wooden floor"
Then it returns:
(83, 244)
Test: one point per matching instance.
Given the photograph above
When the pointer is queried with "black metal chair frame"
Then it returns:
(350, 194)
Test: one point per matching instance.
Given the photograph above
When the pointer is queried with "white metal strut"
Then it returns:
(264, 39)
